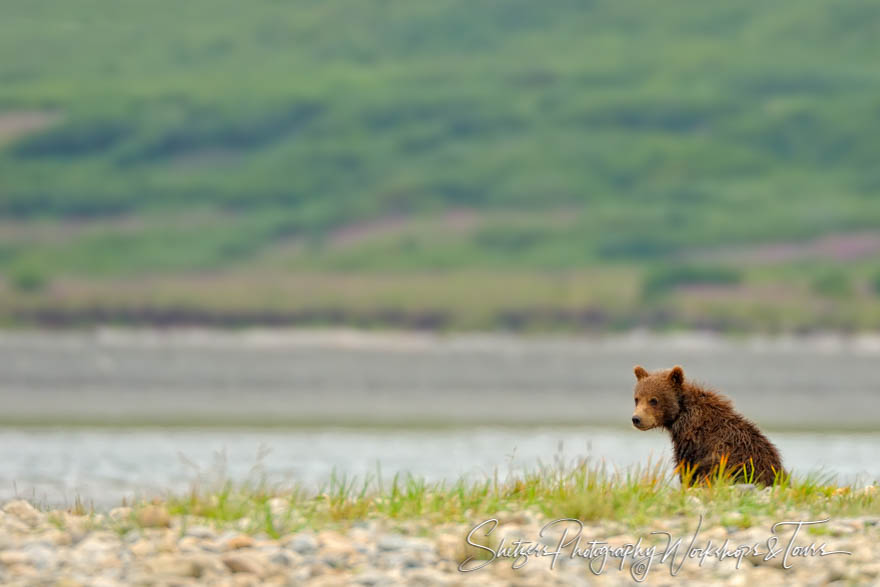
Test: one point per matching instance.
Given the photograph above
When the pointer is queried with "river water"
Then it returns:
(110, 414)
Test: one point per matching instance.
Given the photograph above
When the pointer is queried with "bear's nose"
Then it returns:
(636, 421)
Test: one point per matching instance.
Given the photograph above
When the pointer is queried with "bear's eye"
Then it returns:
(653, 401)
(637, 401)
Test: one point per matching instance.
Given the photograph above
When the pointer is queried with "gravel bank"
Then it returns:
(149, 547)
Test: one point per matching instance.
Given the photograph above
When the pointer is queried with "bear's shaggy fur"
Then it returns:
(703, 426)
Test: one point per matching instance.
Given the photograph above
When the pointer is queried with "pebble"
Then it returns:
(143, 548)
(74, 551)
(303, 543)
(166, 564)
(154, 516)
(392, 542)
(283, 558)
(242, 563)
(373, 579)
(24, 512)
(201, 532)
(120, 514)
(240, 541)
(11, 558)
(41, 556)
(278, 506)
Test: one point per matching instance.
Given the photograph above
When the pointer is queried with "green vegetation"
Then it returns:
(833, 284)
(588, 492)
(662, 279)
(27, 278)
(409, 141)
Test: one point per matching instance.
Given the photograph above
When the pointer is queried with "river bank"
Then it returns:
(151, 547)
(405, 530)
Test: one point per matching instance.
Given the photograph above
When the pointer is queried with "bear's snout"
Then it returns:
(643, 421)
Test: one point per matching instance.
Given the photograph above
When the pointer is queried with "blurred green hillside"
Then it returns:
(443, 164)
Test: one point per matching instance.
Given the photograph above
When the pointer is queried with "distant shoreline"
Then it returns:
(358, 378)
(408, 339)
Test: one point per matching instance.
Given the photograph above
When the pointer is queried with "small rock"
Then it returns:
(303, 543)
(392, 542)
(871, 570)
(412, 562)
(213, 546)
(208, 563)
(242, 563)
(120, 514)
(248, 580)
(98, 549)
(316, 570)
(142, 548)
(335, 560)
(175, 566)
(167, 542)
(450, 547)
(57, 537)
(23, 571)
(154, 516)
(189, 544)
(202, 532)
(745, 487)
(373, 579)
(9, 558)
(518, 518)
(12, 525)
(840, 528)
(24, 512)
(76, 525)
(427, 577)
(282, 558)
(41, 556)
(240, 541)
(278, 506)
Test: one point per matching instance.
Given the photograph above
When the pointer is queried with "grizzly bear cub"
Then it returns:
(704, 427)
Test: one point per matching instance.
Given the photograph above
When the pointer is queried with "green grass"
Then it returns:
(590, 492)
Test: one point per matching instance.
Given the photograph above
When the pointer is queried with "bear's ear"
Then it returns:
(676, 376)
(640, 372)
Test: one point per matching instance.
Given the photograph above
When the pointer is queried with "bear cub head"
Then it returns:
(657, 397)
